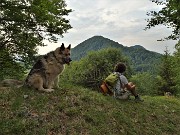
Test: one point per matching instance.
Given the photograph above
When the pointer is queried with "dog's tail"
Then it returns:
(11, 83)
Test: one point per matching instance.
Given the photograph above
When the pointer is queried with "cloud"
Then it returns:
(120, 20)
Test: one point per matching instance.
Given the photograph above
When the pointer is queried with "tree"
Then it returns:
(169, 16)
(24, 24)
(176, 68)
(166, 78)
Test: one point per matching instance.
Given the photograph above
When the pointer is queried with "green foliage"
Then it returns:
(176, 68)
(143, 60)
(166, 74)
(168, 78)
(24, 24)
(10, 68)
(92, 69)
(169, 70)
(146, 83)
(168, 16)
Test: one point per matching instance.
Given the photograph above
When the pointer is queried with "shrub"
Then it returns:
(92, 69)
(146, 84)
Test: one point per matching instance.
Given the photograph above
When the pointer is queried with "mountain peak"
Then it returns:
(137, 54)
(138, 47)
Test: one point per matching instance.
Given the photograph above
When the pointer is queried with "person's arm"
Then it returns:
(130, 86)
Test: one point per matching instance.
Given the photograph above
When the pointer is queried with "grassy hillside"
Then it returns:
(76, 110)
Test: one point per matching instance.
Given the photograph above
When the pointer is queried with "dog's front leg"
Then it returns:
(37, 83)
(56, 82)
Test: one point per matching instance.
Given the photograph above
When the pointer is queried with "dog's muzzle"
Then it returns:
(67, 60)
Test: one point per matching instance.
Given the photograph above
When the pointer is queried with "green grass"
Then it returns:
(76, 110)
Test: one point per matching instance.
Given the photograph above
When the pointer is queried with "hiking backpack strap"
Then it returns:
(121, 82)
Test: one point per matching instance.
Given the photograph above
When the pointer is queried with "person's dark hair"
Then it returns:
(120, 67)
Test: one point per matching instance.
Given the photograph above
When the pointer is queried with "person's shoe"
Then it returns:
(138, 99)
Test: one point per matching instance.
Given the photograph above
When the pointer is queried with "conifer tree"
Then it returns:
(176, 68)
(166, 74)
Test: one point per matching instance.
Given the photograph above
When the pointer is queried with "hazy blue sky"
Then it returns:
(120, 20)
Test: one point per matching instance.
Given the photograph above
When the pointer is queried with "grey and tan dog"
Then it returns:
(44, 74)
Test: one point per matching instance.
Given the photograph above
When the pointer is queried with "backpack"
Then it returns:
(112, 79)
(109, 83)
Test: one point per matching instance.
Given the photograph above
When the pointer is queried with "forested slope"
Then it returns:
(142, 60)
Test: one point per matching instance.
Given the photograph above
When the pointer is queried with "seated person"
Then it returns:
(123, 83)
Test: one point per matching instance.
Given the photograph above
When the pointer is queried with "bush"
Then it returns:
(92, 69)
(10, 68)
(146, 84)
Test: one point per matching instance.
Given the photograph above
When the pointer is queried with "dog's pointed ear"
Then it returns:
(69, 47)
(62, 47)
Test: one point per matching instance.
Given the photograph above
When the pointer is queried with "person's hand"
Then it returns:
(132, 85)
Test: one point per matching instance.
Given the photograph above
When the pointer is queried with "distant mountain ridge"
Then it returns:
(138, 46)
(142, 60)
